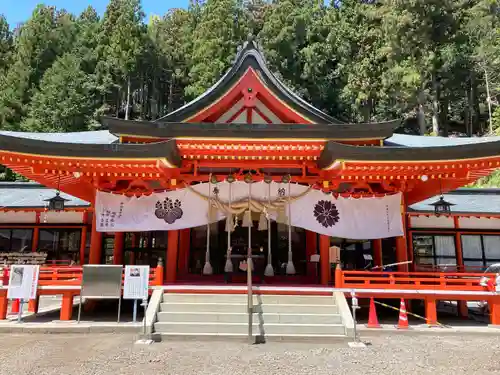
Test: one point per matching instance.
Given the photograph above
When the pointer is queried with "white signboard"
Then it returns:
(136, 282)
(23, 282)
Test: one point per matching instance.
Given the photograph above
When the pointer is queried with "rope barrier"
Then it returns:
(410, 313)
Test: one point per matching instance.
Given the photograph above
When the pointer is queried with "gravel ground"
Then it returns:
(117, 355)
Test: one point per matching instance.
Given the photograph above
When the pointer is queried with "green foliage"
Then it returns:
(63, 102)
(422, 60)
(218, 33)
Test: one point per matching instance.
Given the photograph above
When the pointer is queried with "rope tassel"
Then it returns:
(247, 219)
(263, 221)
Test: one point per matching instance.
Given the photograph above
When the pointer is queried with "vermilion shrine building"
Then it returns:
(249, 123)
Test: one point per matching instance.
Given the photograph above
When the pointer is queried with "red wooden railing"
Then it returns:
(458, 281)
(450, 268)
(68, 276)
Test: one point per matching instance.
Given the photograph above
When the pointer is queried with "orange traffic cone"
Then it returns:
(372, 316)
(403, 316)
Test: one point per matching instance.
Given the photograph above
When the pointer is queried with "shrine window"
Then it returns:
(61, 245)
(480, 250)
(15, 240)
(434, 250)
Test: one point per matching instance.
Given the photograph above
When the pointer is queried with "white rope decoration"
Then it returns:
(269, 271)
(207, 268)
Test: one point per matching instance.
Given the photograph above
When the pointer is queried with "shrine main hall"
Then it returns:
(249, 164)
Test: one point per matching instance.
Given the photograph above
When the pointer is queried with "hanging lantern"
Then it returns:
(230, 178)
(268, 179)
(56, 203)
(286, 179)
(442, 207)
(213, 179)
(248, 178)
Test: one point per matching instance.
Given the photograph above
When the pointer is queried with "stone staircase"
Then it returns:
(226, 315)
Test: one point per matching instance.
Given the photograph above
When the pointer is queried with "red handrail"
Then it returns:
(411, 280)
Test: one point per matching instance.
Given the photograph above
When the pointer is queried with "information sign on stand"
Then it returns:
(101, 281)
(136, 285)
(23, 283)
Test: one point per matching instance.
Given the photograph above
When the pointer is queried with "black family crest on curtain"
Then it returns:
(326, 213)
(169, 210)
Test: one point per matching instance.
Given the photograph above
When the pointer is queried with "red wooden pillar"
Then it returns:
(3, 304)
(402, 244)
(172, 252)
(430, 311)
(134, 245)
(463, 310)
(118, 248)
(311, 249)
(324, 252)
(377, 252)
(95, 244)
(36, 236)
(494, 305)
(15, 306)
(83, 244)
(184, 244)
(66, 307)
(33, 305)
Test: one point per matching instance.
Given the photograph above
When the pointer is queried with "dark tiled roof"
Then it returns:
(484, 201)
(405, 140)
(30, 194)
(249, 57)
(86, 137)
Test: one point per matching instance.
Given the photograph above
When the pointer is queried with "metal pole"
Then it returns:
(79, 308)
(20, 313)
(134, 313)
(249, 271)
(119, 308)
(354, 308)
(145, 304)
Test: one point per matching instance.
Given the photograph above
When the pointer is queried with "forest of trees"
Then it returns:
(433, 63)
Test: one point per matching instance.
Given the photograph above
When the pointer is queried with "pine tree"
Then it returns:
(122, 38)
(64, 102)
(216, 39)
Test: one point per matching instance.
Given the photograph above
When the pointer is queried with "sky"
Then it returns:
(17, 11)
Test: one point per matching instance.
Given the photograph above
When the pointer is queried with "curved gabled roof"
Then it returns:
(334, 151)
(249, 57)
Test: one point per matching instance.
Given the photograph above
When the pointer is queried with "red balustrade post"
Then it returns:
(15, 306)
(3, 304)
(430, 311)
(67, 306)
(158, 278)
(339, 282)
(494, 305)
(33, 305)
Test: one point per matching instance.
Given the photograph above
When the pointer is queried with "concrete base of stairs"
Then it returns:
(257, 339)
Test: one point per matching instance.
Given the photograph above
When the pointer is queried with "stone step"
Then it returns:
(217, 328)
(242, 298)
(243, 317)
(242, 308)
